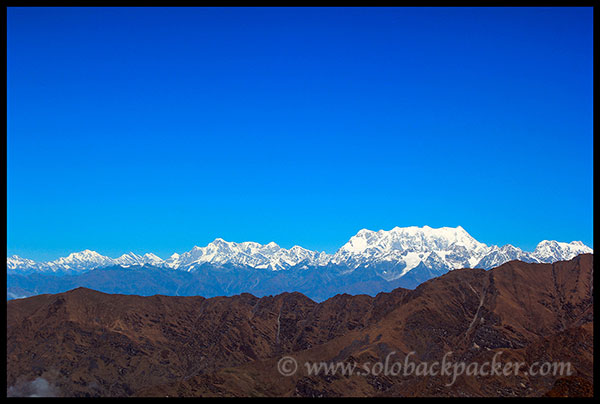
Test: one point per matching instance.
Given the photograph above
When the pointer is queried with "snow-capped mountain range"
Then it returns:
(248, 254)
(393, 254)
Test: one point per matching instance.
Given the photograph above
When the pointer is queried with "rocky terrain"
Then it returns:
(87, 343)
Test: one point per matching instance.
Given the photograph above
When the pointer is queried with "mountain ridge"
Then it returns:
(87, 343)
(370, 262)
(408, 246)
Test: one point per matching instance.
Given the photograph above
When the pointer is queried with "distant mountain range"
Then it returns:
(370, 262)
(87, 343)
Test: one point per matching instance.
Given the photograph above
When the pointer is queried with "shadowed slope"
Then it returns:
(89, 343)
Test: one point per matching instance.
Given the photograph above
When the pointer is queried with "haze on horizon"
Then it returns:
(154, 130)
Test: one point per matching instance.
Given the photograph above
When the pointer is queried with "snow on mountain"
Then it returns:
(499, 255)
(545, 252)
(131, 258)
(74, 262)
(246, 254)
(151, 259)
(406, 248)
(421, 252)
(551, 251)
(16, 263)
(83, 260)
(78, 262)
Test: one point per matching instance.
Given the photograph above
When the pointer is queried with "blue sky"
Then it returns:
(160, 129)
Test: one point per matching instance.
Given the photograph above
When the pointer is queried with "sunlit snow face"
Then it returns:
(402, 249)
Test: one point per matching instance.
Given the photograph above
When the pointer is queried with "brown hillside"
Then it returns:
(88, 343)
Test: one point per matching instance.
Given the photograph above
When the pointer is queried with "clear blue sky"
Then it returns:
(160, 129)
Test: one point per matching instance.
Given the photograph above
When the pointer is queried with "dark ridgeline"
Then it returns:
(87, 343)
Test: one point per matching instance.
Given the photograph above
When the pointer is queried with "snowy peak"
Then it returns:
(128, 259)
(247, 254)
(75, 262)
(218, 253)
(496, 256)
(131, 258)
(152, 259)
(411, 246)
(410, 238)
(17, 263)
(82, 261)
(551, 251)
(401, 250)
(419, 251)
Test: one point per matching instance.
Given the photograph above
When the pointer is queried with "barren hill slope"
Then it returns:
(88, 343)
